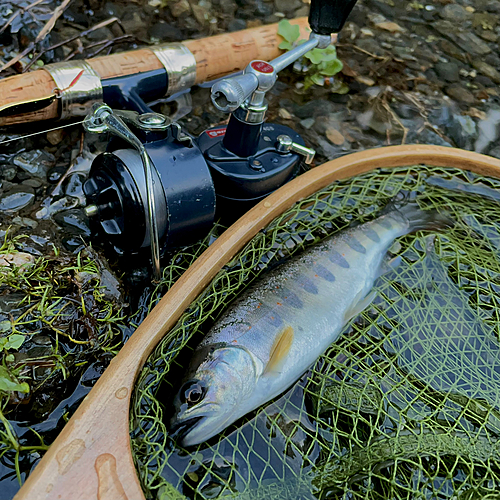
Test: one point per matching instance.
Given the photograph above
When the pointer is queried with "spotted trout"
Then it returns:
(277, 328)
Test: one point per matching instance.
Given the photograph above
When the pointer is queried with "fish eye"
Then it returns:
(193, 392)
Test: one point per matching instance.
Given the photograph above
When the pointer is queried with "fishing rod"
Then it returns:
(127, 80)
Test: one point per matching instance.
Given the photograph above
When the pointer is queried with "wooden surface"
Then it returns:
(91, 458)
(215, 56)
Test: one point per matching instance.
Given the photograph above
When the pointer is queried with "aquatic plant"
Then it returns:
(322, 63)
(58, 314)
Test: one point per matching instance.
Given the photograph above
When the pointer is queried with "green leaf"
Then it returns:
(318, 79)
(5, 326)
(290, 32)
(14, 341)
(7, 384)
(315, 56)
(332, 68)
(285, 45)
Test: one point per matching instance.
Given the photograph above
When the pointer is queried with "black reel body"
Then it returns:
(182, 186)
(194, 182)
(242, 181)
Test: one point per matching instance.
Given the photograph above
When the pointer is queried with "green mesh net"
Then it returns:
(406, 404)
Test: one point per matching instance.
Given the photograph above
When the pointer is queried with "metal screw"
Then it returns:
(152, 120)
(256, 164)
(91, 210)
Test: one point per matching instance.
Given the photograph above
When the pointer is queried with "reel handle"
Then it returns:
(328, 16)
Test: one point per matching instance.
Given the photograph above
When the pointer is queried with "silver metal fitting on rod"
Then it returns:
(249, 89)
(102, 119)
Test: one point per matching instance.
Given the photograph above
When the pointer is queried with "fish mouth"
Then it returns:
(179, 429)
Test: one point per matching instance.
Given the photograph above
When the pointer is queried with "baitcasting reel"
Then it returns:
(157, 187)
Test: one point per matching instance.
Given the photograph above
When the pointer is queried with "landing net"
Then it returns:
(406, 404)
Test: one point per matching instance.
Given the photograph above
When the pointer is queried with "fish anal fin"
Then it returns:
(279, 350)
(359, 305)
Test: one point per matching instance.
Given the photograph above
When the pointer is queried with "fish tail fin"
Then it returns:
(421, 220)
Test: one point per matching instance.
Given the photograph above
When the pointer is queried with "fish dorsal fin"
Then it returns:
(279, 350)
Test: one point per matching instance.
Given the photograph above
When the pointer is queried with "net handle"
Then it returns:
(91, 458)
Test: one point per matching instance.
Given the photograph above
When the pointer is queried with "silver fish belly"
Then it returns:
(276, 329)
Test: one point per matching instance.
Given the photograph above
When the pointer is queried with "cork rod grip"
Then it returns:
(215, 56)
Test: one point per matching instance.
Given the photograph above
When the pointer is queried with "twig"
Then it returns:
(52, 21)
(41, 36)
(109, 44)
(73, 38)
(18, 11)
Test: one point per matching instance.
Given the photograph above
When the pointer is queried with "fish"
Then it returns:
(276, 329)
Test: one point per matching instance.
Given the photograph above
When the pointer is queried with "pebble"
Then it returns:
(236, 25)
(463, 131)
(73, 221)
(163, 31)
(53, 207)
(8, 172)
(285, 114)
(489, 130)
(16, 199)
(34, 183)
(447, 71)
(460, 94)
(36, 162)
(455, 13)
(335, 137)
(25, 221)
(17, 259)
(177, 9)
(487, 70)
(307, 123)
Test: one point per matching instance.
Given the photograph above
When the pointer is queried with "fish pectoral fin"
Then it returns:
(359, 305)
(279, 351)
(390, 265)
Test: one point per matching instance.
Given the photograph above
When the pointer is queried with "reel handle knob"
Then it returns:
(328, 16)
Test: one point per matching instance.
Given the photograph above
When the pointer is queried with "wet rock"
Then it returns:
(73, 244)
(463, 131)
(54, 174)
(16, 199)
(36, 162)
(484, 81)
(179, 8)
(9, 303)
(371, 120)
(455, 13)
(17, 259)
(236, 25)
(39, 240)
(50, 207)
(163, 31)
(447, 71)
(460, 94)
(34, 183)
(489, 131)
(312, 108)
(487, 70)
(74, 222)
(8, 172)
(25, 221)
(74, 187)
(307, 123)
(133, 23)
(287, 6)
(472, 44)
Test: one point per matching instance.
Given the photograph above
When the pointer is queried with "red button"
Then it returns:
(262, 67)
